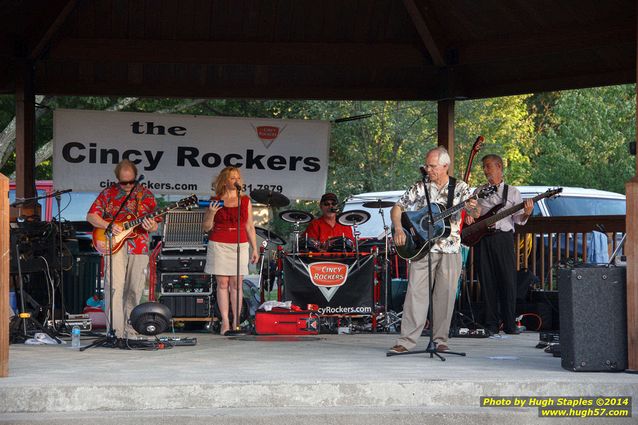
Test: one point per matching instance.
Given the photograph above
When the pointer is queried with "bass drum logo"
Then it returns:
(328, 277)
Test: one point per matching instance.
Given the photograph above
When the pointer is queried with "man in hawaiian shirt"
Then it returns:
(445, 255)
(130, 262)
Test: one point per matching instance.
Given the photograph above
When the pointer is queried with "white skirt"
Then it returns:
(221, 258)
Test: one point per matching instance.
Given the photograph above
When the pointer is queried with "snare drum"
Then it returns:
(309, 245)
(338, 244)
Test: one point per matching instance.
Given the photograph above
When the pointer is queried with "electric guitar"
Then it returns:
(473, 233)
(418, 240)
(100, 241)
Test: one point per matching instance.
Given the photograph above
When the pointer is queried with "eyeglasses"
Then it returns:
(329, 204)
(124, 183)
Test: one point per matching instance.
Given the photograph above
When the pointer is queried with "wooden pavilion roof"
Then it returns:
(328, 49)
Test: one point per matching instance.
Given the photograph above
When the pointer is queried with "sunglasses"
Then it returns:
(329, 204)
(124, 183)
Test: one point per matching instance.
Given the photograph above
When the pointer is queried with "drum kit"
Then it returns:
(302, 245)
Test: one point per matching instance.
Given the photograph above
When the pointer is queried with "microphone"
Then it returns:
(238, 187)
(426, 176)
(334, 210)
(62, 192)
(140, 178)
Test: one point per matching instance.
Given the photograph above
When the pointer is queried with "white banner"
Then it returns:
(181, 154)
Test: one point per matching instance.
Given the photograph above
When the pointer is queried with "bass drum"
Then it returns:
(338, 244)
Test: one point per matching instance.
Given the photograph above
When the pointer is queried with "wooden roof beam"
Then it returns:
(247, 53)
(543, 44)
(43, 42)
(182, 89)
(425, 33)
(539, 85)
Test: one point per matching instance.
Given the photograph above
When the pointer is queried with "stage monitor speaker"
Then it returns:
(593, 318)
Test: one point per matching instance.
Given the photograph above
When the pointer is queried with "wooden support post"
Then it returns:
(25, 131)
(631, 250)
(445, 129)
(4, 276)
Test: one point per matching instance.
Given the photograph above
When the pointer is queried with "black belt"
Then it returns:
(496, 231)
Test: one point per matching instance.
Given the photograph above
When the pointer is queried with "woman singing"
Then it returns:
(220, 222)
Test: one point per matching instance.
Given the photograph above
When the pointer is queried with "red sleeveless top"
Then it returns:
(225, 224)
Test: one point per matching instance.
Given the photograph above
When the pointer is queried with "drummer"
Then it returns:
(326, 226)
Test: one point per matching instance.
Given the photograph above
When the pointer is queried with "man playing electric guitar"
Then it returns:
(495, 254)
(445, 254)
(130, 262)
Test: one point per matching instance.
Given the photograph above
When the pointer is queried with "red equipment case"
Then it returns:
(281, 321)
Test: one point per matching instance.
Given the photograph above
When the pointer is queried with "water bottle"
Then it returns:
(75, 337)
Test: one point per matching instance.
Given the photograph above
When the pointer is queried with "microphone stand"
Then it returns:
(431, 348)
(237, 330)
(110, 339)
(58, 198)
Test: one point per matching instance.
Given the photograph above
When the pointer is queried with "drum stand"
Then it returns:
(386, 270)
(295, 232)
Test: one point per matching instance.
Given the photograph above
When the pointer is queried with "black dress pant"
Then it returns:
(497, 274)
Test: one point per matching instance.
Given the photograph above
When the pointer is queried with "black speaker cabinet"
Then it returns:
(593, 318)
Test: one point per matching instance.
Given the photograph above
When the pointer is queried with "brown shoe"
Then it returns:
(398, 349)
(441, 348)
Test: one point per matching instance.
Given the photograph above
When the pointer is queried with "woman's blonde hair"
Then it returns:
(219, 183)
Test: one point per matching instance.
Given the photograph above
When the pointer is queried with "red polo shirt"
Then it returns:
(320, 230)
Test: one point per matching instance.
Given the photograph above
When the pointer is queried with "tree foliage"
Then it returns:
(572, 138)
(586, 141)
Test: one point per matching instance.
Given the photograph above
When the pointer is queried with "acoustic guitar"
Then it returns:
(129, 225)
(472, 234)
(418, 240)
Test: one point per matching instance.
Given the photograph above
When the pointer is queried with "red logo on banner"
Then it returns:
(325, 274)
(268, 134)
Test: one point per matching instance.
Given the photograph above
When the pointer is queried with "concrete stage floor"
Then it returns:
(326, 379)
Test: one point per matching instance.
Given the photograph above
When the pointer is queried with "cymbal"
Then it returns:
(270, 198)
(350, 218)
(296, 216)
(269, 236)
(378, 204)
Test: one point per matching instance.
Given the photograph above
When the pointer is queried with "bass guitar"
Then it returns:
(129, 225)
(472, 234)
(476, 147)
(418, 240)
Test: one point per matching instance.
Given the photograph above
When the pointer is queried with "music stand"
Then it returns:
(431, 348)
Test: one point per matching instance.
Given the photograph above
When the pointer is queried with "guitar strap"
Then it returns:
(450, 192)
(504, 201)
(501, 205)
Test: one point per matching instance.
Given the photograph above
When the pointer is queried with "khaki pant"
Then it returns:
(446, 269)
(129, 281)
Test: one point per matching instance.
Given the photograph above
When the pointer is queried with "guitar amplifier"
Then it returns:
(187, 305)
(182, 262)
(183, 283)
